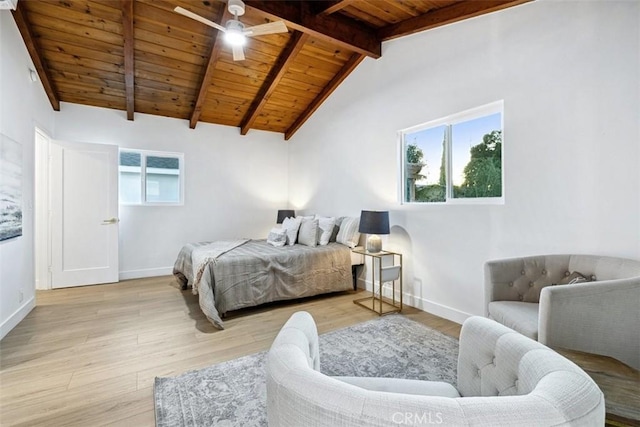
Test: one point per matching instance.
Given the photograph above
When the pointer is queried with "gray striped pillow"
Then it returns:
(348, 234)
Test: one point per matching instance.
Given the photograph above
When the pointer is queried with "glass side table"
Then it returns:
(380, 274)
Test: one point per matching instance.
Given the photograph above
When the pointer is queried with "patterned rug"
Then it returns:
(233, 393)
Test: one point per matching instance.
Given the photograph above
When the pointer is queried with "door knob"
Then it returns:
(110, 221)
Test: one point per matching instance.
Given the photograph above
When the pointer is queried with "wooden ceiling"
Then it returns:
(141, 56)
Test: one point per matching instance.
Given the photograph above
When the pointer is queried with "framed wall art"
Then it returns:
(10, 188)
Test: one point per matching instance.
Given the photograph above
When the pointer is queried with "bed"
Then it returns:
(231, 275)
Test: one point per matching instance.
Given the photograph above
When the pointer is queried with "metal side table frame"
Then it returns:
(385, 274)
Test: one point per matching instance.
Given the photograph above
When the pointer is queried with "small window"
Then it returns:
(456, 159)
(151, 178)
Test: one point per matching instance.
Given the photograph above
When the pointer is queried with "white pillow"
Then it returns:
(325, 229)
(308, 234)
(277, 237)
(348, 234)
(291, 225)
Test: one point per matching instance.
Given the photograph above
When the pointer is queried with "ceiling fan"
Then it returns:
(235, 33)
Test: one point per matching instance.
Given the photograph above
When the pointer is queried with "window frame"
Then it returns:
(143, 176)
(449, 121)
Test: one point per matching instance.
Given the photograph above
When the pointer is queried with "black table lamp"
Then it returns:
(285, 213)
(374, 223)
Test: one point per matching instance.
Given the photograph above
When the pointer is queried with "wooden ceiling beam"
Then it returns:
(344, 72)
(342, 31)
(223, 16)
(129, 70)
(324, 8)
(444, 16)
(22, 22)
(278, 71)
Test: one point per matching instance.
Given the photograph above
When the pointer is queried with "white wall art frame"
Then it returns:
(10, 188)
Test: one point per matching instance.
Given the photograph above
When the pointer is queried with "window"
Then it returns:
(151, 178)
(457, 159)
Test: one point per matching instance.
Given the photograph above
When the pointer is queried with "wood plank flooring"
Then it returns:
(87, 356)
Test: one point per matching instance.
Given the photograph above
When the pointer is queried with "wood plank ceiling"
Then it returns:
(141, 56)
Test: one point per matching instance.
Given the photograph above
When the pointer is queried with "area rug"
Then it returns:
(233, 393)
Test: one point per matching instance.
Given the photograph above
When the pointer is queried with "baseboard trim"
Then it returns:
(440, 310)
(423, 304)
(145, 272)
(17, 317)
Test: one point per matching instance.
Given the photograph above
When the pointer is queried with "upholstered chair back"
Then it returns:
(497, 361)
(524, 280)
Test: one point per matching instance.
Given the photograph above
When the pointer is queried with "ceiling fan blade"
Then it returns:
(238, 53)
(199, 18)
(270, 28)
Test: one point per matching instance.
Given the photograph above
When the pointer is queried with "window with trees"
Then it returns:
(454, 159)
(151, 178)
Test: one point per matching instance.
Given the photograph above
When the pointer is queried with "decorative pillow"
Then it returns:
(292, 225)
(348, 234)
(308, 234)
(277, 237)
(336, 229)
(325, 229)
(573, 278)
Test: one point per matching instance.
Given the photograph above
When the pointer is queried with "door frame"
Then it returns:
(42, 234)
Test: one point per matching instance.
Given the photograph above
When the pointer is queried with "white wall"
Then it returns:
(569, 76)
(234, 185)
(23, 105)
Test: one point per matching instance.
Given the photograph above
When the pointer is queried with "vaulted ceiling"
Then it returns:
(141, 56)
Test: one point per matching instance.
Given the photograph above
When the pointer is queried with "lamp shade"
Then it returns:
(374, 222)
(284, 213)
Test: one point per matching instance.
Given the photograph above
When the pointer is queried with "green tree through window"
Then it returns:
(483, 173)
(458, 157)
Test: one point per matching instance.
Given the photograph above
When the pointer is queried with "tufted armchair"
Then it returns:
(504, 379)
(600, 317)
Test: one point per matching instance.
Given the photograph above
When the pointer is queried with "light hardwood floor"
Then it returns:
(87, 356)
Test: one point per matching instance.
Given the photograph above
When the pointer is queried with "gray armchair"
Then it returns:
(600, 317)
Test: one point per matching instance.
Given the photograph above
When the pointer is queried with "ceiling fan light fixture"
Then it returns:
(235, 32)
(234, 35)
(235, 38)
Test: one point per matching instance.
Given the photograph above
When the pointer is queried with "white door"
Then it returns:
(84, 214)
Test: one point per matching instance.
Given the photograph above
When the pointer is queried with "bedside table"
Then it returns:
(379, 275)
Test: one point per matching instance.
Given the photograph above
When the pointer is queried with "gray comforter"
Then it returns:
(254, 273)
